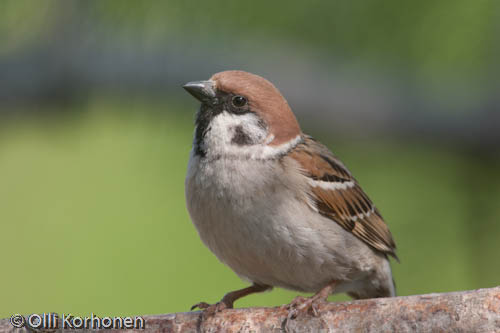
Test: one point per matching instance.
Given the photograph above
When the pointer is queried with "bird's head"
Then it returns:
(241, 114)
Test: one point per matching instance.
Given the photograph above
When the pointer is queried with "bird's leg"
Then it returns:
(228, 300)
(304, 304)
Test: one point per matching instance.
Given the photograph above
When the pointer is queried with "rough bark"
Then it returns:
(467, 311)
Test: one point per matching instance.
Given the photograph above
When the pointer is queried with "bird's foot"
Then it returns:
(208, 311)
(211, 309)
(304, 306)
(228, 300)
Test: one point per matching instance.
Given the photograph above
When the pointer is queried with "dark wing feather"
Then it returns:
(338, 196)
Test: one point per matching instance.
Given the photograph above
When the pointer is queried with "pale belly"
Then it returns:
(266, 232)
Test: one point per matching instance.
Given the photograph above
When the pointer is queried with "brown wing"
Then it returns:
(339, 197)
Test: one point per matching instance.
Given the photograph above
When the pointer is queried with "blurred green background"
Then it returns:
(95, 133)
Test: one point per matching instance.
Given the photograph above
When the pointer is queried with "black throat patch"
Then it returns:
(203, 119)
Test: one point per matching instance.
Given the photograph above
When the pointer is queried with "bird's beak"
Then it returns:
(204, 91)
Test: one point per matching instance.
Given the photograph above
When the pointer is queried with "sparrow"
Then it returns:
(274, 204)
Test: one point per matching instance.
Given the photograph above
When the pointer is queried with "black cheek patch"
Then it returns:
(240, 138)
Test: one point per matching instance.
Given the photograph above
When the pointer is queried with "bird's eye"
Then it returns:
(239, 101)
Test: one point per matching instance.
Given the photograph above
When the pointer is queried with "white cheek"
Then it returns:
(223, 126)
(221, 131)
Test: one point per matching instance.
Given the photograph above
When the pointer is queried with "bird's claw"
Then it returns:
(303, 305)
(201, 306)
(210, 309)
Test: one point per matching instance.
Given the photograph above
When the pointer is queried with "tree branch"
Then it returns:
(467, 311)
